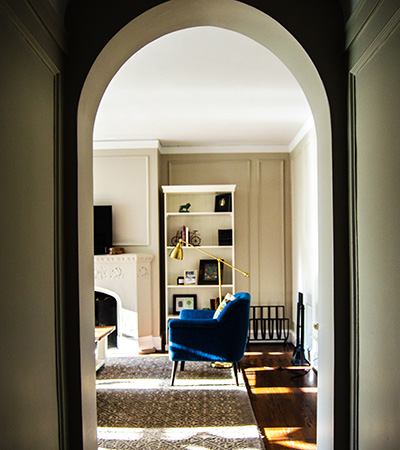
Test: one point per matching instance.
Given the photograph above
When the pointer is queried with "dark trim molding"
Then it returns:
(354, 263)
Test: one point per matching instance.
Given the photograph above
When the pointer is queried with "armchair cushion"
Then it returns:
(228, 298)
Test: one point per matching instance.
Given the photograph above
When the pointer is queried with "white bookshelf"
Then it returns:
(203, 218)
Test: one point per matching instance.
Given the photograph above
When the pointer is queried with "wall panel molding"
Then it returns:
(45, 51)
(367, 48)
(377, 43)
(250, 225)
(31, 71)
(359, 19)
(371, 34)
(50, 21)
(355, 344)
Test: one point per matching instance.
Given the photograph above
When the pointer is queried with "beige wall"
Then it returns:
(127, 178)
(375, 132)
(262, 219)
(303, 161)
(31, 61)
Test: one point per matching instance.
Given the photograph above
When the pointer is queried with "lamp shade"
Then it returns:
(177, 252)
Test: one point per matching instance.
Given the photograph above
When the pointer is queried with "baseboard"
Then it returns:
(157, 343)
(146, 344)
(292, 337)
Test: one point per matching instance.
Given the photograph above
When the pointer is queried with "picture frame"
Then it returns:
(225, 237)
(208, 271)
(180, 281)
(190, 277)
(184, 301)
(223, 203)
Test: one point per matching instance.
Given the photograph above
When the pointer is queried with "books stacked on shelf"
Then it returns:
(185, 235)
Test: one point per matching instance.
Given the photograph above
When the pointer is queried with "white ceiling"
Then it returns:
(203, 86)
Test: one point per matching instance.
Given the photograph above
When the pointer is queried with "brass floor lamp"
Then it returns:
(177, 253)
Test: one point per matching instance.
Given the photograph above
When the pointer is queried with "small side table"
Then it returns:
(101, 338)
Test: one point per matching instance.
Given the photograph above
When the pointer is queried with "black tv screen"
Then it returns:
(102, 224)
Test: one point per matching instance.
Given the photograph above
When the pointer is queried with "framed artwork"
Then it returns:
(190, 277)
(208, 271)
(223, 203)
(184, 301)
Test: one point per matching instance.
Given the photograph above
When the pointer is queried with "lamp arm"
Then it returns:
(216, 257)
(247, 275)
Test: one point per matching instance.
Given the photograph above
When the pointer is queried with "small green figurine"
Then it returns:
(185, 208)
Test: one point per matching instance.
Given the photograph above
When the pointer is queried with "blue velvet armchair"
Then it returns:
(197, 336)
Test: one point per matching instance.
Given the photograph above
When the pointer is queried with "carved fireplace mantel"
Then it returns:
(129, 276)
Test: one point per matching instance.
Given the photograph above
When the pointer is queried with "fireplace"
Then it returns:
(106, 314)
(127, 277)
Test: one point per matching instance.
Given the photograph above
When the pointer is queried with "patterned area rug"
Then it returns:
(205, 410)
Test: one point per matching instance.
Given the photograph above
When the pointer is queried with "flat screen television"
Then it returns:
(102, 225)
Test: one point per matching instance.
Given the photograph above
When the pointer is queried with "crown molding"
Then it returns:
(308, 125)
(126, 144)
(212, 148)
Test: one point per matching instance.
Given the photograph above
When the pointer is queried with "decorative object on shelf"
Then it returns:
(177, 253)
(224, 237)
(208, 271)
(184, 301)
(190, 277)
(116, 251)
(180, 281)
(223, 202)
(175, 239)
(185, 208)
(193, 237)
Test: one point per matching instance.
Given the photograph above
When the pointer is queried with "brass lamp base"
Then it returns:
(221, 365)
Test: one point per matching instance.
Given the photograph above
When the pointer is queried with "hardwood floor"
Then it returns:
(283, 396)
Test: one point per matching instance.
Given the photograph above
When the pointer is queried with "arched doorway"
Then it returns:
(173, 16)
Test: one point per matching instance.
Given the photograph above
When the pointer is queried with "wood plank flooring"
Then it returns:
(283, 396)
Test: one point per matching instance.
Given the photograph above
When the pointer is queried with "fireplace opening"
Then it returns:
(105, 307)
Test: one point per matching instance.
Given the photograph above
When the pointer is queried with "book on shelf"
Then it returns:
(185, 235)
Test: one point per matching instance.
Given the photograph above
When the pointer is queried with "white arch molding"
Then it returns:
(232, 15)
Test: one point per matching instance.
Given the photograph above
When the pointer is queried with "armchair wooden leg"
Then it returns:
(235, 371)
(182, 366)
(174, 367)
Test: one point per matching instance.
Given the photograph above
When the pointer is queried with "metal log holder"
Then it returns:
(268, 323)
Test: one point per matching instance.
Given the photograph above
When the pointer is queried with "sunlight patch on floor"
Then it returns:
(298, 445)
(210, 387)
(259, 369)
(129, 384)
(183, 384)
(281, 436)
(283, 390)
(177, 434)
